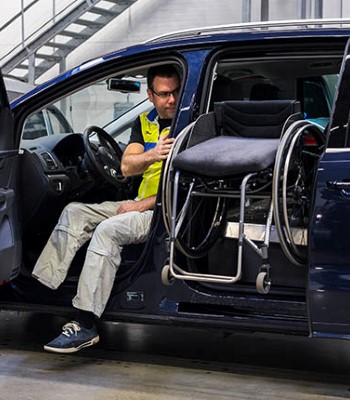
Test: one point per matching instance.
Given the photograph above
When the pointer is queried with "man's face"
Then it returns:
(164, 96)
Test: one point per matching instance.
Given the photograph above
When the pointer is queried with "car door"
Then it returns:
(329, 274)
(10, 238)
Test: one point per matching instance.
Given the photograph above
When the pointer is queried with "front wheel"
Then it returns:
(263, 283)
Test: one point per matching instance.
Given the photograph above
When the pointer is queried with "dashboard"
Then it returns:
(54, 172)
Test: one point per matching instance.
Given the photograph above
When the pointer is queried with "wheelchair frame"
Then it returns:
(290, 238)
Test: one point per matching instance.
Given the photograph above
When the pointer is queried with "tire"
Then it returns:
(263, 284)
(292, 187)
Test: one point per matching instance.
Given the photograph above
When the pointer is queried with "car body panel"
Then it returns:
(329, 269)
(329, 256)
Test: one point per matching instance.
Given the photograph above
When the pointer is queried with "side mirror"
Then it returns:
(124, 85)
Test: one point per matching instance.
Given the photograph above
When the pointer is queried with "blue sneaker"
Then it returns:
(73, 338)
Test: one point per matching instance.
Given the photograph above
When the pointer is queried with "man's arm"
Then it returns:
(136, 160)
(140, 205)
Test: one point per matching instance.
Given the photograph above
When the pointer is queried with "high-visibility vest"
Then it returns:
(150, 133)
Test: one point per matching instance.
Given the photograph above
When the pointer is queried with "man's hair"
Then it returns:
(164, 71)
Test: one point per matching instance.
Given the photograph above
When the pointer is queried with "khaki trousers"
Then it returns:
(108, 233)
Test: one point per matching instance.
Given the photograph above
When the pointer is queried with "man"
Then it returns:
(110, 225)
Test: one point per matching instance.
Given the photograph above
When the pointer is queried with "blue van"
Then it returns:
(251, 226)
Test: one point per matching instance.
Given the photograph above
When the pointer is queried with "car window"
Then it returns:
(315, 103)
(311, 82)
(120, 128)
(35, 126)
(93, 105)
(99, 105)
(317, 96)
(113, 103)
(46, 122)
(57, 121)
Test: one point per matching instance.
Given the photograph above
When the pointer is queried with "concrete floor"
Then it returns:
(150, 362)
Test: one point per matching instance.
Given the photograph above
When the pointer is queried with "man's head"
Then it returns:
(163, 84)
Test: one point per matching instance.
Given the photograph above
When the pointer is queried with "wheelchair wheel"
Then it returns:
(199, 219)
(178, 145)
(295, 168)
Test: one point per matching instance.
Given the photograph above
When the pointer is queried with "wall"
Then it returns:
(149, 18)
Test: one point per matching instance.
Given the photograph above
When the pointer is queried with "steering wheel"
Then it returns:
(104, 154)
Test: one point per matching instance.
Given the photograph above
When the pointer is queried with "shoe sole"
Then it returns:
(72, 349)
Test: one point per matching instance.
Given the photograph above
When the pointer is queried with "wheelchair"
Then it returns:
(243, 171)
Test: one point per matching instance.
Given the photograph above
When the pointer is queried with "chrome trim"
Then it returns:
(260, 25)
(338, 150)
(256, 232)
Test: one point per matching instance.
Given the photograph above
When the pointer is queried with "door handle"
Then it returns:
(336, 185)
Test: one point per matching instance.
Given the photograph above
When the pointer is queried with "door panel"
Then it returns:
(10, 238)
(329, 288)
(10, 241)
(329, 275)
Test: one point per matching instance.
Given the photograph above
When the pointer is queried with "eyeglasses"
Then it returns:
(166, 95)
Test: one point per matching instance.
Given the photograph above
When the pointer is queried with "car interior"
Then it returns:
(242, 176)
(66, 159)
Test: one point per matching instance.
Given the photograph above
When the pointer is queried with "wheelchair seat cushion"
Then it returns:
(225, 156)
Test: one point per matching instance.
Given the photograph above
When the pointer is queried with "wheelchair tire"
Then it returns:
(201, 228)
(292, 187)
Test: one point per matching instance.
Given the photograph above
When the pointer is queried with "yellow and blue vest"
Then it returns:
(150, 134)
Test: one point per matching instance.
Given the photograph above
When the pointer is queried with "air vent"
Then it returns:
(49, 161)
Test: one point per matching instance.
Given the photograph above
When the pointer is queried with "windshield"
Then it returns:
(98, 105)
(113, 104)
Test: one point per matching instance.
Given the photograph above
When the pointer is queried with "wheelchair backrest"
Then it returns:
(203, 129)
(260, 119)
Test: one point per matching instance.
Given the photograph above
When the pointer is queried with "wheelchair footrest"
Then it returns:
(256, 232)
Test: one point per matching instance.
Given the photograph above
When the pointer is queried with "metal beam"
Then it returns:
(304, 9)
(264, 11)
(31, 69)
(246, 10)
(318, 8)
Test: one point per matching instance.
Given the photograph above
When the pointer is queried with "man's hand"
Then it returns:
(140, 205)
(163, 147)
(135, 160)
